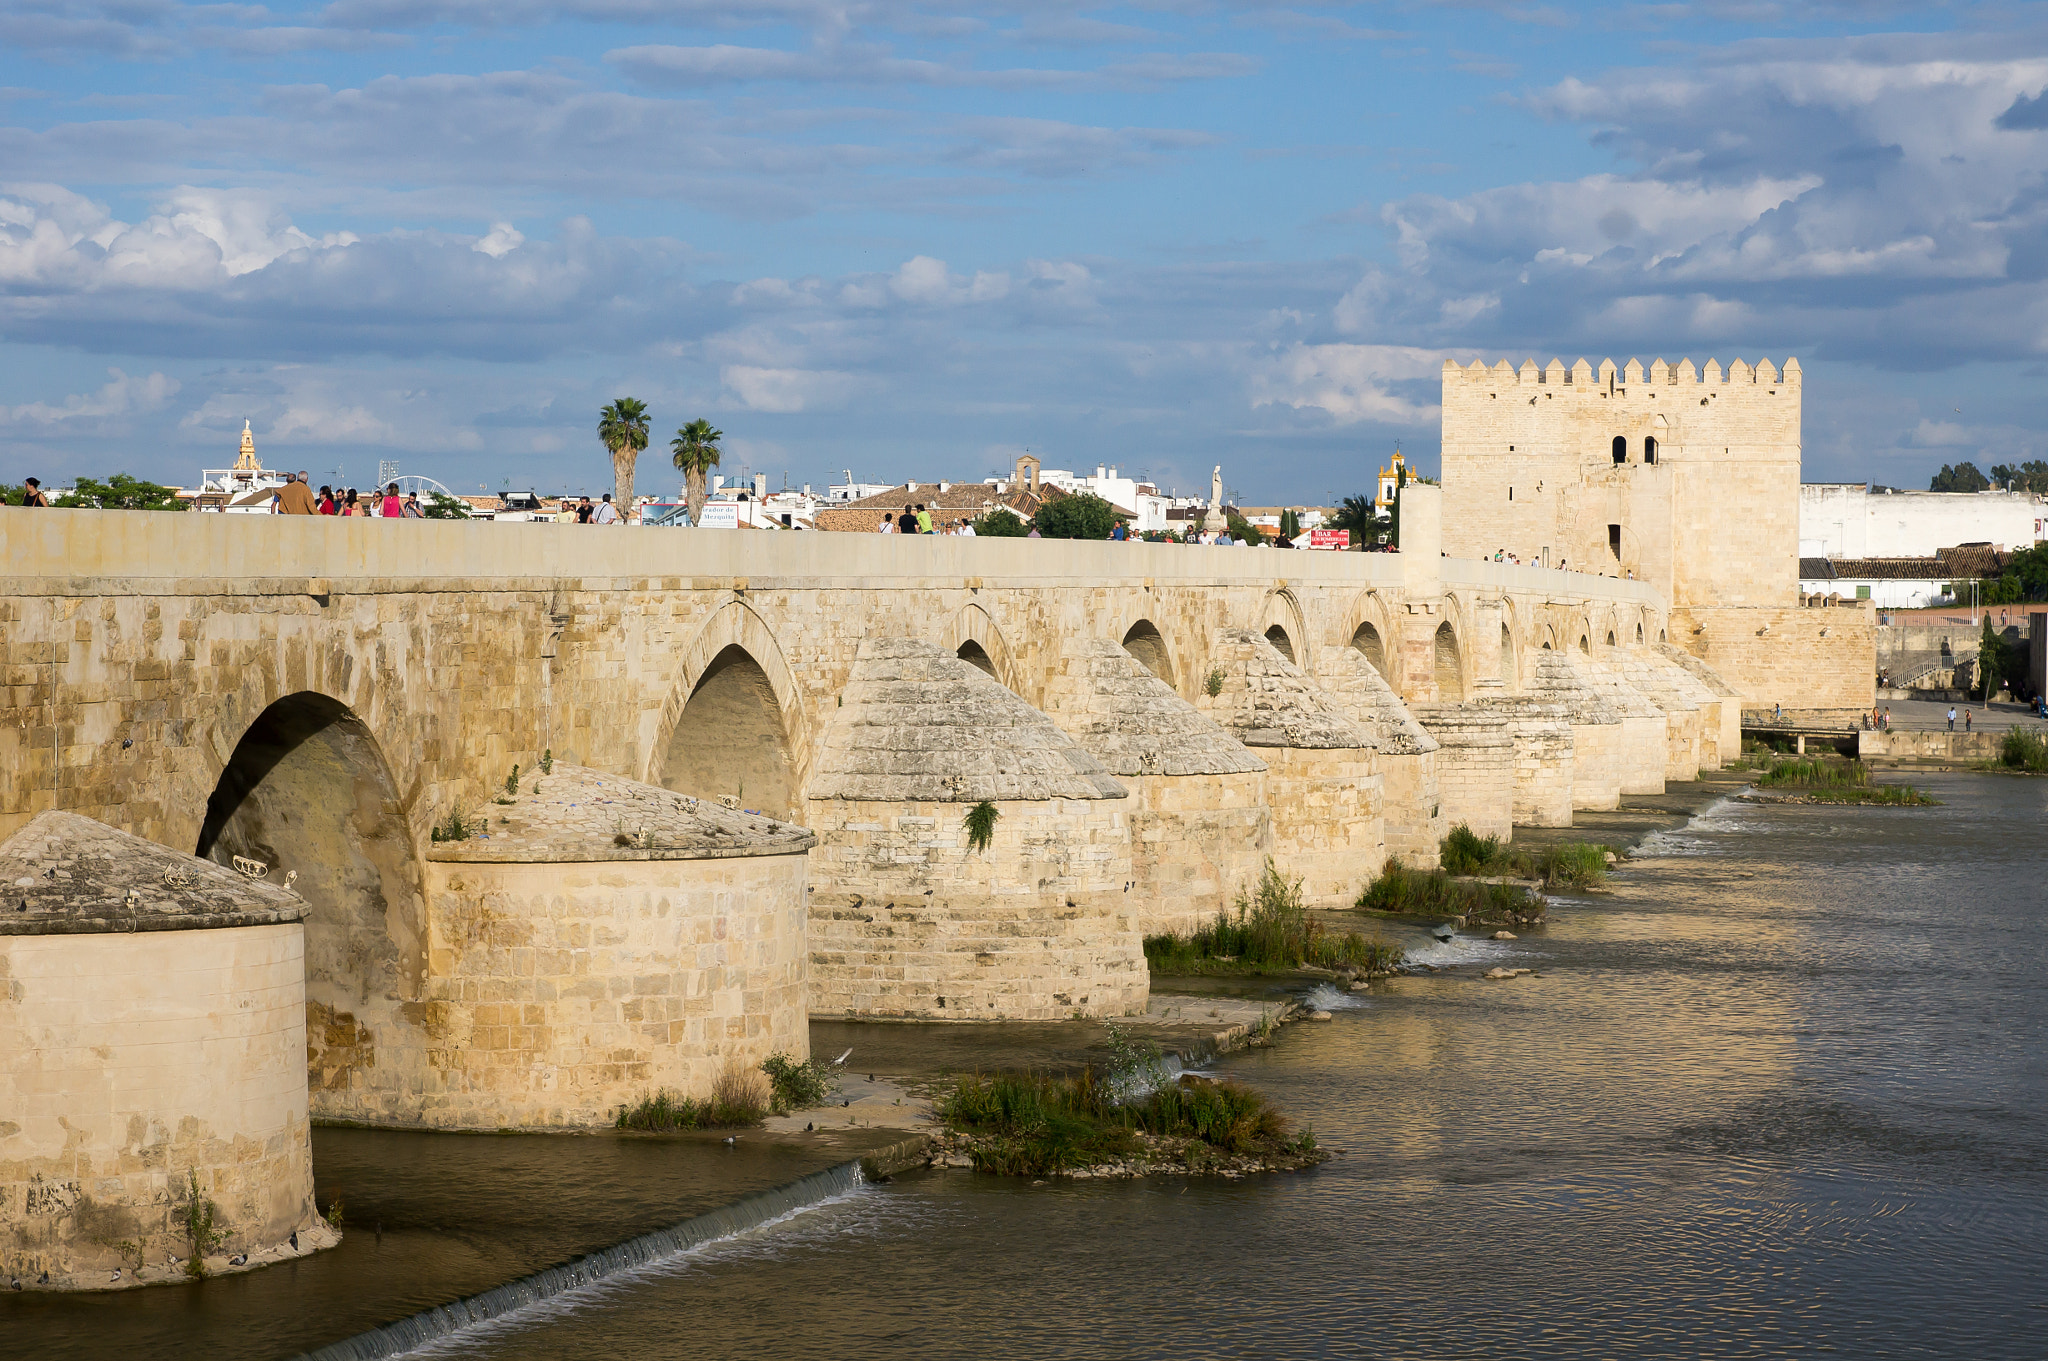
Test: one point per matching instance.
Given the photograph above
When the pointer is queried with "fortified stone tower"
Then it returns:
(1687, 480)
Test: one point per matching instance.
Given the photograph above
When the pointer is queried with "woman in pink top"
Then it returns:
(394, 504)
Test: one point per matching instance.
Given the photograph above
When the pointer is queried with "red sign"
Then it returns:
(1329, 538)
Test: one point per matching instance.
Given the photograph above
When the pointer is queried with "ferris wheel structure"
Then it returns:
(412, 483)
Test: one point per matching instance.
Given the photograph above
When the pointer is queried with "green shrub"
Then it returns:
(1813, 772)
(1271, 931)
(1575, 865)
(2025, 749)
(739, 1096)
(1421, 893)
(1466, 852)
(798, 1086)
(1037, 1125)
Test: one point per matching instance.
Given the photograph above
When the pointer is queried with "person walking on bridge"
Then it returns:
(295, 497)
(1951, 718)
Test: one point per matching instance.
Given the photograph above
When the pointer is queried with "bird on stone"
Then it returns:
(811, 1127)
(239, 1259)
(116, 1276)
(840, 1062)
(15, 1284)
(43, 1279)
(1443, 933)
(295, 1240)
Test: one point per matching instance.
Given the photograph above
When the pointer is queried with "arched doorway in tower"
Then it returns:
(1610, 637)
(1366, 639)
(975, 656)
(1450, 668)
(308, 794)
(730, 741)
(1144, 642)
(1282, 644)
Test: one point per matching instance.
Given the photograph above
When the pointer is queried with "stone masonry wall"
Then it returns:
(127, 1060)
(1475, 766)
(908, 921)
(560, 992)
(1195, 841)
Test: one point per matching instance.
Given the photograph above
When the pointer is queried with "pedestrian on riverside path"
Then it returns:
(607, 513)
(350, 505)
(1951, 718)
(906, 523)
(327, 503)
(1887, 718)
(394, 504)
(32, 494)
(924, 519)
(1966, 719)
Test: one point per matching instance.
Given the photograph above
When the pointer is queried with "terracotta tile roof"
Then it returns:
(959, 501)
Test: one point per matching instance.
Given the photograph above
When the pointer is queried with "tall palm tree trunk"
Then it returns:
(694, 477)
(622, 479)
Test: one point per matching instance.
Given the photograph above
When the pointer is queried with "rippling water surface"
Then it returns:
(1782, 1093)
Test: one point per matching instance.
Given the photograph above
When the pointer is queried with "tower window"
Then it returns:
(1620, 449)
(1614, 541)
(1511, 493)
(1649, 449)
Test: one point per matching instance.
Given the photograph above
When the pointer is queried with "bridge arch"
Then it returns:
(1510, 646)
(1147, 644)
(1285, 626)
(307, 792)
(733, 724)
(975, 639)
(1368, 628)
(1449, 665)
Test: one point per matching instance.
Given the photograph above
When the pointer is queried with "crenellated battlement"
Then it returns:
(1609, 374)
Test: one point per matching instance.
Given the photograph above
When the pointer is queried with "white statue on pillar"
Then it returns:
(1214, 521)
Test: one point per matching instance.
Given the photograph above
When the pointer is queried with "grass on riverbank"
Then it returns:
(739, 1097)
(1271, 933)
(1577, 864)
(2024, 749)
(1819, 780)
(1433, 893)
(1032, 1125)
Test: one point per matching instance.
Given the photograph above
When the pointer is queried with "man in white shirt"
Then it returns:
(607, 514)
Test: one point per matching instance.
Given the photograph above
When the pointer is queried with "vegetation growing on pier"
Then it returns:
(1577, 864)
(1819, 780)
(1271, 932)
(739, 1096)
(1433, 893)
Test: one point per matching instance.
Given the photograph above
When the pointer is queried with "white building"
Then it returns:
(1849, 520)
(1142, 500)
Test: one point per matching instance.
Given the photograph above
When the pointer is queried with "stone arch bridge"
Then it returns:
(1149, 722)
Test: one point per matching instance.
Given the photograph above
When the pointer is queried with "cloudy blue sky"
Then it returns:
(911, 239)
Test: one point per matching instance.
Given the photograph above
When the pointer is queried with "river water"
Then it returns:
(1781, 1093)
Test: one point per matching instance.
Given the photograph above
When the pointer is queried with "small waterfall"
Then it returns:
(433, 1324)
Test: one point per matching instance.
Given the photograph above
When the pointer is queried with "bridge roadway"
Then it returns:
(139, 649)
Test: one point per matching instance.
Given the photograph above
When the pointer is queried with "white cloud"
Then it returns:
(120, 396)
(787, 390)
(1350, 383)
(501, 241)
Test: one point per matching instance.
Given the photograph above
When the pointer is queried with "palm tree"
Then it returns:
(1356, 515)
(696, 453)
(623, 428)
